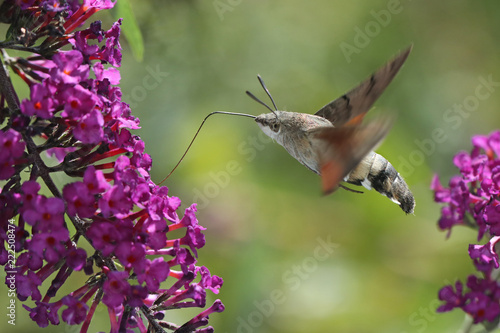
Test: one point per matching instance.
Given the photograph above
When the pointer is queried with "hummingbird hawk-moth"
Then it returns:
(334, 143)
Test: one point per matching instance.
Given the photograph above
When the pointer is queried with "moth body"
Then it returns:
(336, 145)
(376, 172)
(291, 130)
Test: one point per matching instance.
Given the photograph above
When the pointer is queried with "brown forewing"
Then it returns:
(351, 107)
(340, 149)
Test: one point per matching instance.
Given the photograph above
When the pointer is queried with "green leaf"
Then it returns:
(130, 29)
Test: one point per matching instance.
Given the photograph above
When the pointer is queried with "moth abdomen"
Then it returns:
(376, 172)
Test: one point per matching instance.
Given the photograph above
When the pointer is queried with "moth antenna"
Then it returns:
(268, 94)
(198, 131)
(258, 100)
(267, 91)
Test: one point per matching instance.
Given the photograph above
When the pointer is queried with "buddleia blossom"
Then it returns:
(472, 200)
(74, 113)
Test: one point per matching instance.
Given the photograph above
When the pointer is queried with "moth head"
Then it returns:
(270, 124)
(264, 120)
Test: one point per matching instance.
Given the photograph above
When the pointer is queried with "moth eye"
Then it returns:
(275, 127)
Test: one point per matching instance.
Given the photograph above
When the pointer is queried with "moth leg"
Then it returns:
(350, 189)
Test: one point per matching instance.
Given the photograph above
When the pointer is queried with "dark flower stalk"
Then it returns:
(472, 199)
(75, 114)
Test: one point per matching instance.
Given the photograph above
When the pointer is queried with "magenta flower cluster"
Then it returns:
(472, 199)
(111, 222)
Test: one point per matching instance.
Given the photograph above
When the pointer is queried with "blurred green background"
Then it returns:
(265, 216)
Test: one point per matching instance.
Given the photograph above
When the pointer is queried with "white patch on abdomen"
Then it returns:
(367, 184)
(346, 178)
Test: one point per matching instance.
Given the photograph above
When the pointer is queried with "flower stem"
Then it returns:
(467, 324)
(7, 89)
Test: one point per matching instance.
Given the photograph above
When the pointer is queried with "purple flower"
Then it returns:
(194, 239)
(76, 258)
(115, 289)
(208, 281)
(448, 219)
(491, 186)
(115, 201)
(44, 313)
(80, 42)
(189, 218)
(104, 236)
(47, 214)
(472, 200)
(182, 257)
(30, 259)
(201, 319)
(111, 53)
(132, 255)
(27, 285)
(79, 200)
(155, 272)
(11, 149)
(77, 102)
(69, 68)
(98, 4)
(30, 195)
(128, 224)
(142, 194)
(89, 128)
(194, 292)
(490, 144)
(75, 312)
(136, 296)
(481, 307)
(491, 215)
(485, 257)
(95, 181)
(468, 197)
(441, 194)
(453, 298)
(111, 74)
(51, 244)
(41, 103)
(156, 231)
(54, 6)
